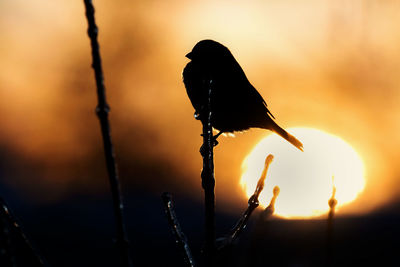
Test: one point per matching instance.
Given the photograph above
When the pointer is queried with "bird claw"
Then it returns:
(214, 144)
(197, 115)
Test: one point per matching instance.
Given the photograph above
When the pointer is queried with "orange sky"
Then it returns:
(332, 65)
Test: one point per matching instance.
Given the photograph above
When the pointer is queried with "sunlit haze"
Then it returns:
(305, 178)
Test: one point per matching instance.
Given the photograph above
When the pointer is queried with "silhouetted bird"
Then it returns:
(235, 103)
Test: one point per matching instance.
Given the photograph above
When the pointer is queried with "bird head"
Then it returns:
(208, 50)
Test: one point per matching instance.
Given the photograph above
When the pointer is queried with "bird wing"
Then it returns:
(261, 99)
(255, 99)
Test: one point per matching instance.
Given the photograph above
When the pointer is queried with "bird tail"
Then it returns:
(290, 138)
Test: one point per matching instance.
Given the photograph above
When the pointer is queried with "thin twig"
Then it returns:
(329, 235)
(271, 207)
(208, 180)
(173, 222)
(9, 220)
(6, 253)
(253, 203)
(102, 111)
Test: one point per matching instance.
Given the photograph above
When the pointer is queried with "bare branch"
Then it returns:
(208, 180)
(180, 237)
(253, 203)
(102, 111)
(10, 222)
(271, 207)
(6, 253)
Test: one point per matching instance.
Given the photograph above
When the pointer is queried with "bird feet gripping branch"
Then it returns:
(214, 143)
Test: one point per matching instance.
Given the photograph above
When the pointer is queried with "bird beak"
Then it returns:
(189, 55)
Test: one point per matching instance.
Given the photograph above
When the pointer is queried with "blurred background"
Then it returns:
(330, 65)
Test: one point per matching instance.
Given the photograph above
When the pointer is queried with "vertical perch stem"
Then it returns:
(208, 180)
(102, 111)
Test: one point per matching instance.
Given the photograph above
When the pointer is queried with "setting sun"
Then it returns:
(305, 178)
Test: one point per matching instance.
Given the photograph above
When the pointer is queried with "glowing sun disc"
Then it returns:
(305, 178)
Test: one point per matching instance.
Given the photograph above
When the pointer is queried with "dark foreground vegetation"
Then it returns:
(77, 233)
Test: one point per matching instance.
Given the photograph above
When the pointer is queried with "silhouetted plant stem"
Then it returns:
(9, 222)
(6, 254)
(269, 211)
(102, 111)
(253, 203)
(180, 237)
(208, 180)
(329, 242)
